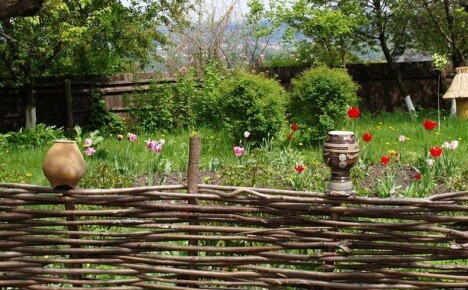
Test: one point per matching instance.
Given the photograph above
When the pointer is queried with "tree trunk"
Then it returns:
(395, 73)
(30, 106)
(13, 8)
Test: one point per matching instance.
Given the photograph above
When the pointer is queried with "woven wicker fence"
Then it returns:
(218, 237)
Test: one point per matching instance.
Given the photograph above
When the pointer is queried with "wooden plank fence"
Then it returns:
(198, 236)
(377, 89)
(51, 98)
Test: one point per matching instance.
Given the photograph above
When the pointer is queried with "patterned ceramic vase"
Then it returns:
(340, 153)
(64, 165)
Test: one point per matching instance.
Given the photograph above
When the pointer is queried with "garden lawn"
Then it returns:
(279, 162)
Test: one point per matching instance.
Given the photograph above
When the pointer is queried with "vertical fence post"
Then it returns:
(193, 174)
(330, 266)
(73, 229)
(193, 165)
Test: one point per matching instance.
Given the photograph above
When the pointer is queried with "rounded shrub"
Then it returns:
(319, 100)
(252, 103)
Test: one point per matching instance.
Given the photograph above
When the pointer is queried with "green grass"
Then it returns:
(119, 163)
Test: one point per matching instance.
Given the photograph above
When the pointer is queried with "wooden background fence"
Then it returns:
(197, 236)
(378, 92)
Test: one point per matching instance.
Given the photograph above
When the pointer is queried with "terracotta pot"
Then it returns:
(64, 165)
(340, 153)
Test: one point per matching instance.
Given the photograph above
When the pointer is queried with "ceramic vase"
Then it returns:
(340, 153)
(64, 165)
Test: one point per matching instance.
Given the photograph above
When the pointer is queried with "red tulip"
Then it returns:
(418, 176)
(299, 168)
(429, 125)
(294, 126)
(354, 112)
(435, 151)
(385, 159)
(367, 137)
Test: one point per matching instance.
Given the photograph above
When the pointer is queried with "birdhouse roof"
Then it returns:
(459, 86)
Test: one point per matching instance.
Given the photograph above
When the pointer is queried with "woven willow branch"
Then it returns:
(164, 237)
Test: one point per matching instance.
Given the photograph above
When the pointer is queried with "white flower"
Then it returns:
(402, 138)
(446, 145)
(453, 145)
(430, 162)
(246, 134)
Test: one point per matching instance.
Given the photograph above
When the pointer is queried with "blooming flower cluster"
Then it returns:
(89, 150)
(436, 151)
(451, 146)
(155, 146)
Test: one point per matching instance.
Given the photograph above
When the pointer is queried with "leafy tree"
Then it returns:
(387, 28)
(81, 36)
(439, 27)
(328, 25)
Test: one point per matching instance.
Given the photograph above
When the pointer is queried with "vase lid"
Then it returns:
(341, 133)
(64, 141)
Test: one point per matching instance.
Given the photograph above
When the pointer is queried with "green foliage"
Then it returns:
(187, 103)
(252, 103)
(440, 61)
(319, 100)
(206, 101)
(31, 138)
(328, 28)
(281, 59)
(104, 176)
(152, 110)
(101, 119)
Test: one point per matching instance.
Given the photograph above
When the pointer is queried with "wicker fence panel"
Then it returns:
(222, 237)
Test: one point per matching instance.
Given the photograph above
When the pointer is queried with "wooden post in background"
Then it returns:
(68, 105)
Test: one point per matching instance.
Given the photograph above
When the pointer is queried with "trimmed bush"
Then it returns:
(319, 101)
(252, 103)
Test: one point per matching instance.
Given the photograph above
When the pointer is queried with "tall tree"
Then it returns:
(80, 36)
(329, 26)
(439, 26)
(388, 28)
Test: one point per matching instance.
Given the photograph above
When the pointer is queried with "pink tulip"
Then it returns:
(239, 151)
(155, 146)
(90, 151)
(88, 142)
(132, 137)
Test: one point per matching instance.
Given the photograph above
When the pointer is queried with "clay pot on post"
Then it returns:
(340, 153)
(64, 165)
